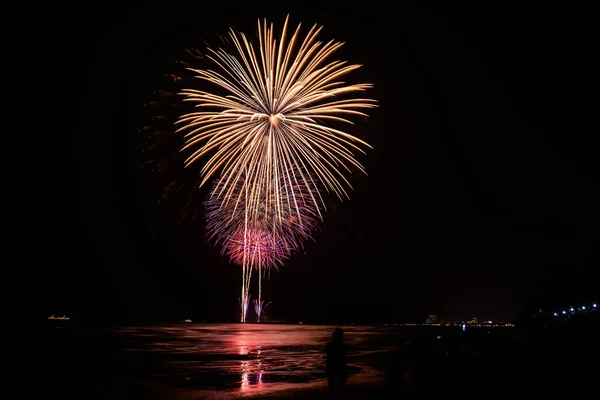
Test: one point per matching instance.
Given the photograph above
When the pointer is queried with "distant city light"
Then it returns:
(555, 314)
(564, 312)
(571, 309)
(594, 305)
(583, 308)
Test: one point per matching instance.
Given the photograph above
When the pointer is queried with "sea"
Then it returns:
(231, 361)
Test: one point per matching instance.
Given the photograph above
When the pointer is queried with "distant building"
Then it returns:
(472, 322)
(432, 319)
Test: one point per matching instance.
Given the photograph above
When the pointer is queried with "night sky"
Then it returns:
(483, 173)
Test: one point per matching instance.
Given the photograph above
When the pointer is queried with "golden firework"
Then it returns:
(270, 120)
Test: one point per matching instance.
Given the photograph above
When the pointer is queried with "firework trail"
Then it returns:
(244, 301)
(267, 239)
(259, 307)
(269, 124)
(262, 129)
(256, 249)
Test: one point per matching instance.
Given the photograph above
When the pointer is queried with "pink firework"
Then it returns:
(258, 248)
(259, 306)
(260, 226)
(286, 219)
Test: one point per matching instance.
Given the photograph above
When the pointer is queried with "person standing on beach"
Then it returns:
(336, 367)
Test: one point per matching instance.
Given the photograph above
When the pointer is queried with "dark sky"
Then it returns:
(482, 176)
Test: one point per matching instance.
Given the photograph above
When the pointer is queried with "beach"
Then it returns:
(269, 361)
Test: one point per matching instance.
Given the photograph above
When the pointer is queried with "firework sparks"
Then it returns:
(269, 119)
(266, 240)
(259, 307)
(258, 248)
(244, 301)
(268, 129)
(292, 221)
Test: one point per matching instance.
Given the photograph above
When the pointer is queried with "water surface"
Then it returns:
(224, 360)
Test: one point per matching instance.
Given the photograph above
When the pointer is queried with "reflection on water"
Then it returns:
(230, 359)
(224, 361)
(252, 375)
(248, 357)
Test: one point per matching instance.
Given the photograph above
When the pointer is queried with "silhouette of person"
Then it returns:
(336, 367)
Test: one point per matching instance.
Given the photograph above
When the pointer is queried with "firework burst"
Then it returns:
(271, 130)
(289, 214)
(270, 118)
(264, 240)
